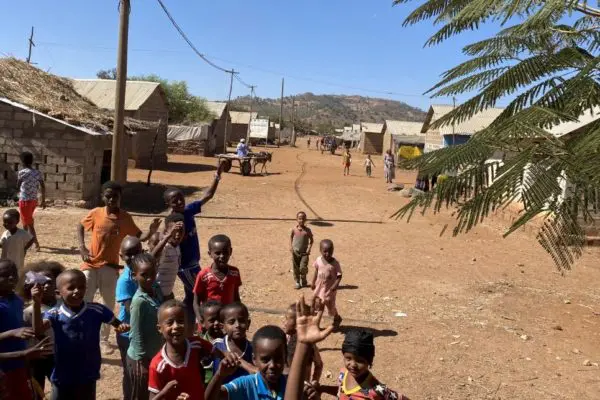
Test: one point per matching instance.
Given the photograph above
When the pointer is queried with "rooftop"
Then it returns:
(102, 92)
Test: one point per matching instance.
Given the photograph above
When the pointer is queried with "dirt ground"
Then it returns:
(486, 317)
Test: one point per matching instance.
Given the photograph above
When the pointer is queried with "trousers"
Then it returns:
(103, 279)
(300, 265)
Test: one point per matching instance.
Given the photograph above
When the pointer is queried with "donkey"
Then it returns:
(261, 158)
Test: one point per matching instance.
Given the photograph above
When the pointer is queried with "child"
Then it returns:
(126, 288)
(369, 164)
(347, 160)
(356, 380)
(109, 226)
(314, 357)
(175, 370)
(327, 278)
(220, 282)
(236, 322)
(50, 270)
(29, 181)
(267, 383)
(301, 241)
(144, 339)
(165, 247)
(14, 241)
(76, 326)
(190, 247)
(211, 331)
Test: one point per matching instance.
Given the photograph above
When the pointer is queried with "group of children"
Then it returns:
(347, 162)
(194, 349)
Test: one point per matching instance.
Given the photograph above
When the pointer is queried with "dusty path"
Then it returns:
(487, 318)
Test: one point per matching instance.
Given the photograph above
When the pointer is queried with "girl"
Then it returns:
(389, 167)
(356, 380)
(326, 279)
(315, 363)
(47, 271)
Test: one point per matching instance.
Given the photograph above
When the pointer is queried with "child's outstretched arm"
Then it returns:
(41, 349)
(39, 325)
(154, 225)
(213, 188)
(309, 333)
(157, 246)
(317, 365)
(227, 366)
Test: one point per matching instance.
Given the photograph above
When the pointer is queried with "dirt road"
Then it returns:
(486, 317)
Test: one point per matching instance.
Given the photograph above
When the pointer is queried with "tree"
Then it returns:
(184, 107)
(544, 60)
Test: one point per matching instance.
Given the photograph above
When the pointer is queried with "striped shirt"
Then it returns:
(168, 266)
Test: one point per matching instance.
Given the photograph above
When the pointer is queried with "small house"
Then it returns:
(403, 138)
(240, 121)
(144, 101)
(191, 140)
(220, 127)
(69, 136)
(371, 138)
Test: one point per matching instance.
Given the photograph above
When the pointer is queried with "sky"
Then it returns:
(319, 46)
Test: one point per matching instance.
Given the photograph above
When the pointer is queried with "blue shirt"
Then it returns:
(190, 247)
(77, 342)
(242, 150)
(254, 387)
(126, 288)
(222, 345)
(11, 317)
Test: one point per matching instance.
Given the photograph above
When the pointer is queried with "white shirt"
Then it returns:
(168, 266)
(242, 150)
(368, 162)
(13, 246)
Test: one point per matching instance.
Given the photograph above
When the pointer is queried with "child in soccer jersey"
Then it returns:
(176, 368)
(76, 326)
(236, 322)
(220, 281)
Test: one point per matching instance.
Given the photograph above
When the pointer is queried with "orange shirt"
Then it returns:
(108, 230)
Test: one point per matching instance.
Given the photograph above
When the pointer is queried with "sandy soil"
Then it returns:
(486, 317)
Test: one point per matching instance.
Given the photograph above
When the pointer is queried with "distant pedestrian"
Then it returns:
(369, 164)
(29, 182)
(308, 143)
(389, 167)
(346, 161)
(301, 241)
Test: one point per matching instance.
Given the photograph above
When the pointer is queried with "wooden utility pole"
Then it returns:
(250, 120)
(232, 73)
(293, 139)
(281, 112)
(31, 45)
(118, 163)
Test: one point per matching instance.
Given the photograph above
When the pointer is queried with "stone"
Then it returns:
(587, 363)
(576, 351)
(567, 301)
(524, 337)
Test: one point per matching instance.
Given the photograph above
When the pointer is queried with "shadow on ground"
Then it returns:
(139, 198)
(376, 332)
(57, 251)
(186, 168)
(347, 287)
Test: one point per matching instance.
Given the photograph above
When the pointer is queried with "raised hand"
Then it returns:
(36, 293)
(154, 225)
(42, 349)
(229, 364)
(307, 322)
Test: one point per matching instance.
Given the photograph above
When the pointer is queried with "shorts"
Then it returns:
(19, 387)
(26, 208)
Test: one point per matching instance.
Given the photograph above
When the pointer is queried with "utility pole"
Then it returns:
(31, 45)
(293, 139)
(281, 112)
(232, 72)
(118, 163)
(250, 121)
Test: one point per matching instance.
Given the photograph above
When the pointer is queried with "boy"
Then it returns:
(76, 326)
(190, 246)
(369, 164)
(175, 370)
(165, 247)
(144, 339)
(211, 331)
(126, 288)
(29, 181)
(347, 160)
(220, 282)
(268, 383)
(301, 241)
(109, 225)
(236, 321)
(14, 241)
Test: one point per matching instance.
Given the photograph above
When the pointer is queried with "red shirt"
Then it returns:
(209, 287)
(188, 375)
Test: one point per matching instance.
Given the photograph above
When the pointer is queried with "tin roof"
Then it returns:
(370, 127)
(217, 108)
(242, 117)
(476, 123)
(102, 92)
(395, 127)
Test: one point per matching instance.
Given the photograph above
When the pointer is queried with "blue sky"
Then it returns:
(353, 44)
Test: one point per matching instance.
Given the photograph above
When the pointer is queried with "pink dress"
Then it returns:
(327, 274)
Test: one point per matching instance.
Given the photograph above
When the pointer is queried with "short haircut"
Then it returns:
(211, 304)
(234, 306)
(174, 218)
(300, 212)
(170, 192)
(13, 214)
(271, 332)
(219, 239)
(360, 343)
(6, 263)
(26, 157)
(172, 304)
(141, 259)
(72, 272)
(116, 186)
(327, 242)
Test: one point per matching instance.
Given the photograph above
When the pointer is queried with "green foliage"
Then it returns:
(107, 74)
(546, 64)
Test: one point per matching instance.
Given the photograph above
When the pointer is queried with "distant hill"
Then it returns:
(327, 111)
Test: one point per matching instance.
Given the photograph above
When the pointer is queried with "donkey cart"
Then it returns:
(247, 165)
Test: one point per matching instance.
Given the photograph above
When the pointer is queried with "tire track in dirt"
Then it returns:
(297, 187)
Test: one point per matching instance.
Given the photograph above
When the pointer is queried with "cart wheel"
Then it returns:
(227, 166)
(245, 168)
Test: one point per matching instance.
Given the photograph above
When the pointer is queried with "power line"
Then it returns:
(237, 77)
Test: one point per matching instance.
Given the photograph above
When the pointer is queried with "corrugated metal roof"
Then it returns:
(408, 139)
(395, 127)
(371, 127)
(469, 127)
(217, 108)
(101, 92)
(587, 117)
(242, 117)
(351, 136)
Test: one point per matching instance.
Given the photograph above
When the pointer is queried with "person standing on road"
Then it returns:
(301, 241)
(369, 164)
(29, 182)
(347, 160)
(389, 167)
